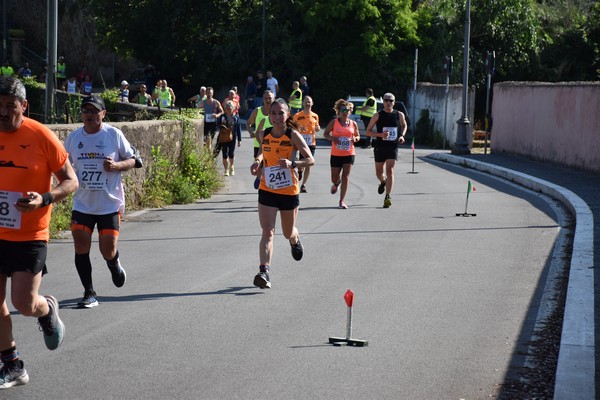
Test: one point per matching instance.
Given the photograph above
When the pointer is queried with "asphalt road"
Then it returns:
(446, 303)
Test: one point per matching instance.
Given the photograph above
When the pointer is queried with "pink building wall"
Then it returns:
(555, 122)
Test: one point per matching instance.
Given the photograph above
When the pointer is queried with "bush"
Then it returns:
(192, 176)
(61, 217)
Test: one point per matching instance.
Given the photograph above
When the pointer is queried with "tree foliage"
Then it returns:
(345, 47)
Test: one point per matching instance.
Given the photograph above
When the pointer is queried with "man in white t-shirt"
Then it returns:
(272, 83)
(99, 153)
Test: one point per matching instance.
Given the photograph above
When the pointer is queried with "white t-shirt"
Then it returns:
(100, 192)
(272, 85)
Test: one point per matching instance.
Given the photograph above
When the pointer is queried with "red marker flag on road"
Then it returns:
(412, 146)
(349, 297)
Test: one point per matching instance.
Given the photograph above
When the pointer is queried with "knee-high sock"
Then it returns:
(84, 269)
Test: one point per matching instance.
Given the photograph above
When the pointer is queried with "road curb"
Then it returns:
(575, 372)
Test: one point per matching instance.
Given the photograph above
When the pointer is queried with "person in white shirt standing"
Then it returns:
(99, 153)
(272, 84)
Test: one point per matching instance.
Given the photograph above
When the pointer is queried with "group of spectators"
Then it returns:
(162, 96)
(256, 86)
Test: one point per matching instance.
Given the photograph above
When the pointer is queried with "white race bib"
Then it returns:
(308, 139)
(342, 143)
(91, 175)
(392, 133)
(10, 217)
(277, 177)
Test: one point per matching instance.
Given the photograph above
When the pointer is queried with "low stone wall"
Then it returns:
(144, 135)
(554, 122)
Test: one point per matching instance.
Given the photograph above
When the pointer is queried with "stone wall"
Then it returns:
(143, 135)
(554, 122)
(433, 98)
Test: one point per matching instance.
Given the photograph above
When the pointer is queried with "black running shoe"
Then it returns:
(89, 300)
(262, 281)
(302, 189)
(297, 250)
(118, 274)
(13, 375)
(381, 187)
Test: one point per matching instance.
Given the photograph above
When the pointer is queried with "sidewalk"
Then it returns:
(580, 192)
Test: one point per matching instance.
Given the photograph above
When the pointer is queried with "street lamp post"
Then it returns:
(461, 146)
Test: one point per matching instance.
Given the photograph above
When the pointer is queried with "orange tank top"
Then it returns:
(343, 139)
(275, 179)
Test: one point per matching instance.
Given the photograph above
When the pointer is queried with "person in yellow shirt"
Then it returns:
(295, 100)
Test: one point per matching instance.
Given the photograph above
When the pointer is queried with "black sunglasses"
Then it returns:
(390, 100)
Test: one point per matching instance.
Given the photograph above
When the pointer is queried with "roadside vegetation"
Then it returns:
(193, 176)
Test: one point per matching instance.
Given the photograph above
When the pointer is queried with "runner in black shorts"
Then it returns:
(391, 128)
(100, 154)
(33, 155)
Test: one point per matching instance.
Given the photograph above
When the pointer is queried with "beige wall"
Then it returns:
(559, 123)
(143, 135)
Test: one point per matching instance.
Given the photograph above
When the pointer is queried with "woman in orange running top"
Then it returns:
(343, 133)
(279, 187)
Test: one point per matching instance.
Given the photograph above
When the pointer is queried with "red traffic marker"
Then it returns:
(349, 297)
(336, 341)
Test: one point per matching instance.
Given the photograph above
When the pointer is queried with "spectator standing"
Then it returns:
(366, 111)
(24, 71)
(143, 97)
(272, 83)
(26, 188)
(295, 100)
(6, 69)
(304, 86)
(261, 86)
(150, 74)
(61, 72)
(100, 153)
(86, 86)
(391, 128)
(82, 74)
(124, 92)
(72, 85)
(164, 94)
(250, 95)
(308, 125)
(343, 133)
(42, 77)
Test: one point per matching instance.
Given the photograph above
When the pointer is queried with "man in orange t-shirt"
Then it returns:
(29, 155)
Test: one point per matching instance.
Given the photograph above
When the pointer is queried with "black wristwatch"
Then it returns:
(294, 165)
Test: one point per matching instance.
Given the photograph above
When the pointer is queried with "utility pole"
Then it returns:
(461, 146)
(448, 68)
(51, 36)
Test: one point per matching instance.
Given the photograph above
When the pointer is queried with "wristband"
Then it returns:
(47, 199)
(294, 164)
